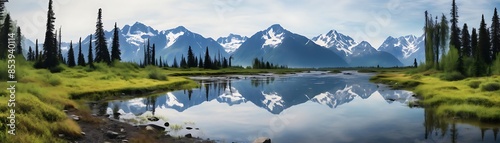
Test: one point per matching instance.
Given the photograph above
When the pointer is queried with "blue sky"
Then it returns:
(370, 20)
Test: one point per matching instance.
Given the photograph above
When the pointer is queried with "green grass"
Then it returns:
(470, 98)
(42, 94)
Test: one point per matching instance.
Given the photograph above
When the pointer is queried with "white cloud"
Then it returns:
(368, 20)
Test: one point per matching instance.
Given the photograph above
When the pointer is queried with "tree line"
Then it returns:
(470, 54)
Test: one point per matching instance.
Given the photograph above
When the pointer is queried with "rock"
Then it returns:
(65, 111)
(153, 118)
(75, 117)
(157, 127)
(188, 136)
(166, 124)
(121, 137)
(83, 133)
(122, 130)
(124, 141)
(149, 128)
(61, 135)
(189, 128)
(262, 140)
(111, 134)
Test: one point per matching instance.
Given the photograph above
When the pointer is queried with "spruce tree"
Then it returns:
(175, 65)
(183, 62)
(19, 42)
(484, 43)
(90, 56)
(115, 47)
(153, 54)
(4, 37)
(71, 55)
(208, 60)
(37, 56)
(200, 62)
(30, 54)
(190, 59)
(455, 31)
(473, 42)
(466, 42)
(101, 48)
(495, 35)
(50, 55)
(81, 59)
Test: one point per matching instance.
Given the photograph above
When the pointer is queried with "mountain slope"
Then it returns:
(277, 45)
(356, 54)
(231, 42)
(405, 48)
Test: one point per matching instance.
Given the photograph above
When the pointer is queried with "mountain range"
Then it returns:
(274, 44)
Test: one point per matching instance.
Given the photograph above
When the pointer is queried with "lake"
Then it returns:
(313, 107)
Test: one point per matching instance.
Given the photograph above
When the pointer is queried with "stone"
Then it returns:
(153, 118)
(61, 135)
(65, 111)
(188, 136)
(121, 137)
(157, 127)
(262, 140)
(83, 133)
(111, 134)
(166, 124)
(189, 128)
(122, 130)
(149, 128)
(75, 117)
(124, 141)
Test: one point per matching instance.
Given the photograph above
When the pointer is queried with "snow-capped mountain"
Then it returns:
(340, 43)
(278, 45)
(405, 48)
(356, 54)
(231, 42)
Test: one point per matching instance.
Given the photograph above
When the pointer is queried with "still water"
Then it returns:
(313, 107)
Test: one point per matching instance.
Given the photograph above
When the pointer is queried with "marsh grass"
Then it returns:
(462, 98)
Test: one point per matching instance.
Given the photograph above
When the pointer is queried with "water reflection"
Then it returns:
(317, 107)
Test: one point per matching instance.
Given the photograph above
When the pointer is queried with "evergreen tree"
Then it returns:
(161, 62)
(183, 62)
(191, 61)
(484, 43)
(2, 9)
(36, 51)
(230, 59)
(455, 31)
(473, 42)
(153, 54)
(49, 59)
(30, 54)
(208, 60)
(19, 42)
(101, 48)
(59, 50)
(466, 42)
(224, 63)
(414, 63)
(71, 55)
(443, 37)
(4, 37)
(115, 47)
(175, 65)
(495, 35)
(90, 56)
(81, 59)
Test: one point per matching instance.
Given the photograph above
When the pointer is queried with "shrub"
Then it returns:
(474, 84)
(453, 76)
(52, 80)
(56, 69)
(491, 86)
(156, 74)
(496, 66)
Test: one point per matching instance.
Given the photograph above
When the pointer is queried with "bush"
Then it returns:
(453, 76)
(492, 86)
(52, 80)
(156, 74)
(474, 84)
(449, 61)
(496, 66)
(56, 69)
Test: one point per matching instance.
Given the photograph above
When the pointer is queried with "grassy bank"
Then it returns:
(41, 96)
(469, 98)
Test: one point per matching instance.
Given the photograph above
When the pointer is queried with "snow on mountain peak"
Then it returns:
(334, 39)
(273, 36)
(172, 37)
(138, 33)
(231, 42)
(272, 100)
